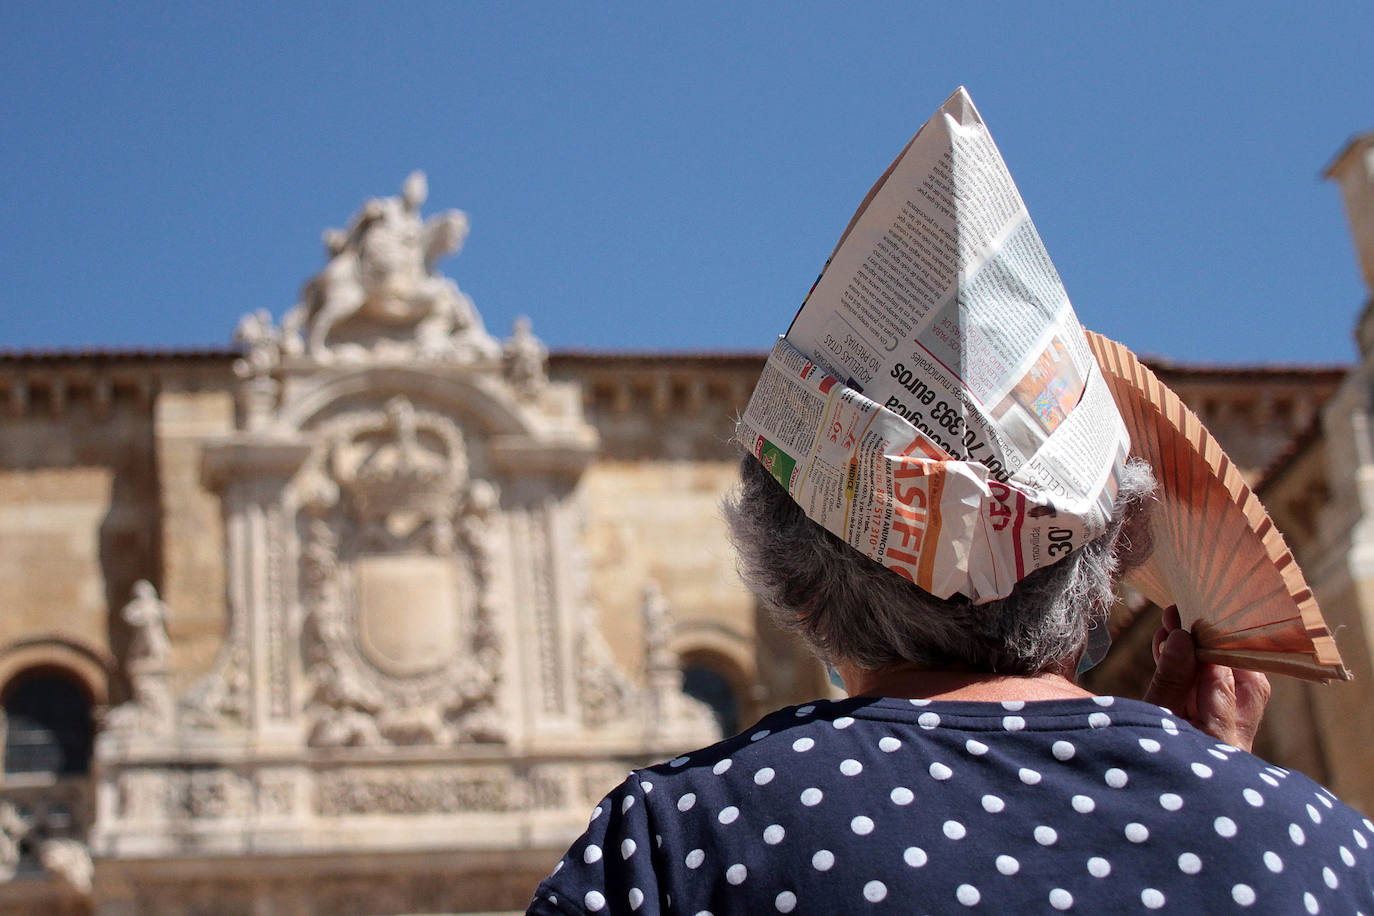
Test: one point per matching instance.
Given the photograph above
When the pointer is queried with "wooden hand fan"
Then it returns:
(1217, 554)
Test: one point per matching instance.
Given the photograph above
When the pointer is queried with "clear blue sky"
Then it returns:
(652, 176)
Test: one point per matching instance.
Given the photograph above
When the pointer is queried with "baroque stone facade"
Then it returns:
(371, 610)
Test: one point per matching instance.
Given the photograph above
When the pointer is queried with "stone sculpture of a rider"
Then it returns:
(382, 268)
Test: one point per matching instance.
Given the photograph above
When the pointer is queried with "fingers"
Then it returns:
(1174, 672)
(1216, 703)
(1169, 622)
(1252, 696)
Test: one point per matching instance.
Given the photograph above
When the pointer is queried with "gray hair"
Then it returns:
(849, 608)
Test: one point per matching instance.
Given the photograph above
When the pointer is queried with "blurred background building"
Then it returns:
(365, 614)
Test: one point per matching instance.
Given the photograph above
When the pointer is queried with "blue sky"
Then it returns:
(671, 176)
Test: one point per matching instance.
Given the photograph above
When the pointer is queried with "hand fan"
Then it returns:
(1217, 554)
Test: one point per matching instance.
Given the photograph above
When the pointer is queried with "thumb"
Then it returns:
(1174, 673)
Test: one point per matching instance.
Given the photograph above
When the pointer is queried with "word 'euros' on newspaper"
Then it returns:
(935, 403)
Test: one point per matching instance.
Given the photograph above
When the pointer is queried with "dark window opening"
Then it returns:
(47, 727)
(713, 689)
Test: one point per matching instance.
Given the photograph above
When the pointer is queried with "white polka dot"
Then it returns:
(736, 873)
(1224, 826)
(1170, 802)
(1360, 841)
(686, 802)
(598, 812)
(1045, 836)
(647, 786)
(1329, 877)
(1099, 867)
(940, 771)
(553, 898)
(1314, 814)
(803, 711)
(728, 814)
(1099, 720)
(1347, 857)
(976, 748)
(928, 720)
(591, 854)
(1152, 898)
(694, 858)
(875, 892)
(889, 744)
(954, 830)
(851, 767)
(1012, 724)
(1243, 894)
(627, 803)
(703, 913)
(1273, 862)
(902, 796)
(1007, 865)
(1137, 833)
(1296, 835)
(1062, 750)
(1104, 701)
(802, 745)
(1253, 797)
(843, 722)
(561, 862)
(636, 898)
(1013, 705)
(993, 805)
(811, 797)
(862, 825)
(1202, 770)
(1269, 780)
(763, 777)
(1116, 778)
(658, 840)
(722, 766)
(1150, 745)
(627, 848)
(1083, 804)
(915, 856)
(968, 895)
(1028, 776)
(1310, 903)
(759, 735)
(1228, 748)
(1169, 727)
(1326, 801)
(773, 834)
(1061, 899)
(678, 761)
(785, 902)
(594, 901)
(823, 860)
(919, 701)
(1189, 863)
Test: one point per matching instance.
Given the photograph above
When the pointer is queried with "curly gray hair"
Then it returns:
(851, 609)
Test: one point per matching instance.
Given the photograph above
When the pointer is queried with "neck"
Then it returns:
(910, 682)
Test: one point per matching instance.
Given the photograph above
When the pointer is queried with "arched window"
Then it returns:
(47, 725)
(715, 690)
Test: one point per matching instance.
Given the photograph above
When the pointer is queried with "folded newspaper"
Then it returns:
(935, 402)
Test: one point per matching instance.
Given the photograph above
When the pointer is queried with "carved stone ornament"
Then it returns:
(147, 662)
(395, 572)
(380, 294)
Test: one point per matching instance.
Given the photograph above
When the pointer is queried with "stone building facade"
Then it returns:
(364, 614)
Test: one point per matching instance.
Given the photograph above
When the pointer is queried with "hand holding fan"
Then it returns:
(1217, 554)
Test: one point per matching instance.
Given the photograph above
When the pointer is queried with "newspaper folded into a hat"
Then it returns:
(935, 403)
